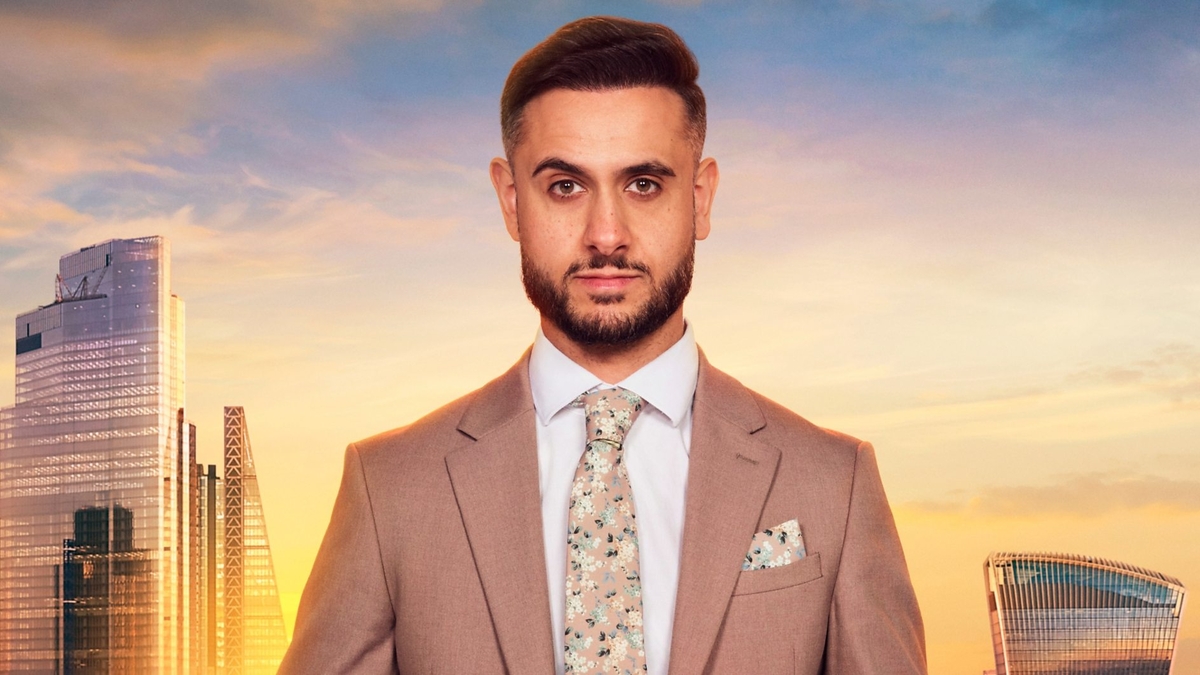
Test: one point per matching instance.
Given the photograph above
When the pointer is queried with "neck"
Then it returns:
(612, 363)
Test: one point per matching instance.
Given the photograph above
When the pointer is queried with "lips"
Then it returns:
(605, 282)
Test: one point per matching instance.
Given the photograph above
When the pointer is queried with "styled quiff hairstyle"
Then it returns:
(599, 53)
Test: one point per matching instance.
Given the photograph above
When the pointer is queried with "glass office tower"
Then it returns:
(95, 473)
(1072, 614)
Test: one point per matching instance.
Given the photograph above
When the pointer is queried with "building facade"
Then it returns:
(1078, 615)
(210, 584)
(115, 541)
(254, 634)
(94, 549)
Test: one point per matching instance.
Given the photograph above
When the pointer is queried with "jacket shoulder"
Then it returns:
(436, 430)
(468, 417)
(777, 425)
(796, 437)
(783, 422)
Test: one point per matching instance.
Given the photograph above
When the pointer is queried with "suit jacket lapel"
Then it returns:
(729, 475)
(495, 481)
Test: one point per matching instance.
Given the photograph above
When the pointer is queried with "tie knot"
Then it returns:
(609, 413)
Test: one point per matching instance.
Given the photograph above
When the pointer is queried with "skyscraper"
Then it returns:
(1072, 614)
(211, 582)
(95, 472)
(119, 551)
(255, 638)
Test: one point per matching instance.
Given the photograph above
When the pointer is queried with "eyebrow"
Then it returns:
(650, 168)
(647, 168)
(558, 165)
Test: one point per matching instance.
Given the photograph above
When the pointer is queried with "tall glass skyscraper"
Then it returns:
(96, 471)
(119, 551)
(1078, 615)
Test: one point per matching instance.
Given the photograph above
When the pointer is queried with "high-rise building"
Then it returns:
(1078, 615)
(94, 474)
(255, 638)
(119, 551)
(211, 584)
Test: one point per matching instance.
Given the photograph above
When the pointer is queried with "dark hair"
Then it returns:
(598, 53)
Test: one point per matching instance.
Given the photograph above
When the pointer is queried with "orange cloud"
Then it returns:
(97, 86)
(1173, 371)
(1086, 495)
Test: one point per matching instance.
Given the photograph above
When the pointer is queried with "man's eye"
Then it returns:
(564, 188)
(644, 186)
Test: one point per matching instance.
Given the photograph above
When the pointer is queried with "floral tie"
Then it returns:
(604, 588)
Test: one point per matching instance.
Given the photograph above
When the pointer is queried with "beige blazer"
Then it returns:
(433, 559)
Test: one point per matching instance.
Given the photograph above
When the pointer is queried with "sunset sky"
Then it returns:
(968, 232)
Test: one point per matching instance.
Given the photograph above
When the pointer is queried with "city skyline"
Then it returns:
(961, 230)
(119, 550)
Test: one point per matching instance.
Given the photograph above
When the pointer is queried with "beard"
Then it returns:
(553, 301)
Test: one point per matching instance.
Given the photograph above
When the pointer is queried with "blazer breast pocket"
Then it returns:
(799, 572)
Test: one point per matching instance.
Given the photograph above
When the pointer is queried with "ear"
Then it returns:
(707, 177)
(506, 191)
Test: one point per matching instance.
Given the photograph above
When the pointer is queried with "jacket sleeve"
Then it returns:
(345, 621)
(874, 622)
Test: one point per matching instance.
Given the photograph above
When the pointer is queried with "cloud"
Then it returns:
(1089, 495)
(1172, 371)
(72, 109)
(105, 87)
(141, 20)
(197, 27)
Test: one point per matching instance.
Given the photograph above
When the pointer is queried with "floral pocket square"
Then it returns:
(775, 547)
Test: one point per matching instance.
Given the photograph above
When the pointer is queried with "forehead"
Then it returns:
(613, 125)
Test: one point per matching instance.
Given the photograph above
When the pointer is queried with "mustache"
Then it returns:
(600, 261)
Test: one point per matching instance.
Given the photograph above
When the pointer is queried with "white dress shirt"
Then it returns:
(656, 457)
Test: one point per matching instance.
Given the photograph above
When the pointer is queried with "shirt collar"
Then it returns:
(668, 382)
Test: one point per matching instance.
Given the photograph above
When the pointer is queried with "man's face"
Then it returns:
(606, 200)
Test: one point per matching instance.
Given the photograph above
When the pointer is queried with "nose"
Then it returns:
(606, 231)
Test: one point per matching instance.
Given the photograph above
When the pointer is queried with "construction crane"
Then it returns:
(64, 293)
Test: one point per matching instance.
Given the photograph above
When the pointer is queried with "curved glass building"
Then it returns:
(1073, 614)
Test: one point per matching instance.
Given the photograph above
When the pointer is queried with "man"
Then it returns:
(612, 503)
